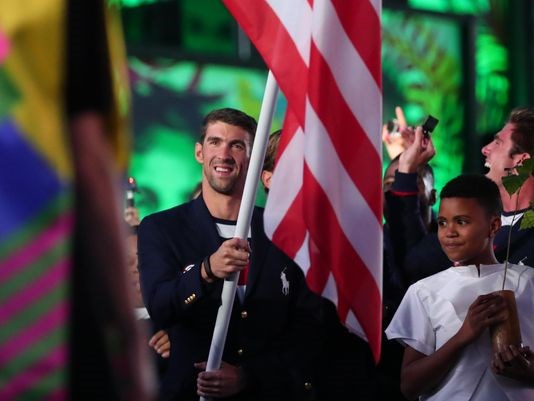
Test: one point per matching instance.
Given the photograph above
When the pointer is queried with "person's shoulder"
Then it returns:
(170, 216)
(432, 284)
(165, 214)
(436, 278)
(522, 270)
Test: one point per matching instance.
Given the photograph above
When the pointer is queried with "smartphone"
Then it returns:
(393, 126)
(429, 125)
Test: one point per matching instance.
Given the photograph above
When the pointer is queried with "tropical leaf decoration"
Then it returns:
(422, 61)
(513, 183)
(492, 66)
(452, 6)
(492, 82)
(528, 218)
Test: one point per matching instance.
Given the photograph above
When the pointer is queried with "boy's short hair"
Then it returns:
(478, 187)
(229, 116)
(272, 147)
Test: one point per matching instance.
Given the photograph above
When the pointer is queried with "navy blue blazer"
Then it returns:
(521, 243)
(269, 333)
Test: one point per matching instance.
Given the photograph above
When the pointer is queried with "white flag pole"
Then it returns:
(243, 220)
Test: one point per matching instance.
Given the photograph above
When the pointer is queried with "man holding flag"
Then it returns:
(184, 255)
(325, 55)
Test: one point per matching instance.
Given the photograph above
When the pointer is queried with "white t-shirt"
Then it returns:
(433, 310)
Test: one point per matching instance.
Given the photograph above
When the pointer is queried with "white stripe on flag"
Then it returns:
(351, 210)
(346, 64)
(295, 16)
(352, 323)
(286, 182)
(302, 258)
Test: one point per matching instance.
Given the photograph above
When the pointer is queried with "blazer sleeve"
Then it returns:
(416, 250)
(170, 288)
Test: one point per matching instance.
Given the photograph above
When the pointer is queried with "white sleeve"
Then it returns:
(411, 324)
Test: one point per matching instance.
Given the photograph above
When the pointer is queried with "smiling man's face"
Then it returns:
(224, 155)
(497, 154)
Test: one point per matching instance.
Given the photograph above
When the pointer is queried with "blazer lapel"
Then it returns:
(204, 226)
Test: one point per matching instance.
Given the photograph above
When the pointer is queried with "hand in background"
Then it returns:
(396, 141)
(131, 216)
(161, 343)
(419, 151)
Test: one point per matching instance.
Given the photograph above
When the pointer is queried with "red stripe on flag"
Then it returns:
(361, 23)
(356, 285)
(352, 144)
(318, 273)
(290, 127)
(350, 128)
(276, 46)
(243, 276)
(291, 231)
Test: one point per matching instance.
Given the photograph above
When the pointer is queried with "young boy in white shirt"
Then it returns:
(443, 320)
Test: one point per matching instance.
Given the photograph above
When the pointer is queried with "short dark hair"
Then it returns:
(522, 120)
(270, 153)
(229, 116)
(478, 187)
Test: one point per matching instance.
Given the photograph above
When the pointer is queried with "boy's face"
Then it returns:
(466, 232)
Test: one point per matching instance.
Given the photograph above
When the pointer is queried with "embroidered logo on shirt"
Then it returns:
(285, 282)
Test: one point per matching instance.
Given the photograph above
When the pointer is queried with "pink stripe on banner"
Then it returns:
(34, 291)
(59, 394)
(50, 363)
(31, 334)
(4, 46)
(29, 253)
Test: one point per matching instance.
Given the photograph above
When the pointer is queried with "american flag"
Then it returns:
(325, 204)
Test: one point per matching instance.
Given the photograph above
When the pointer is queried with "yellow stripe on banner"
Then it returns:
(36, 30)
(119, 119)
(35, 65)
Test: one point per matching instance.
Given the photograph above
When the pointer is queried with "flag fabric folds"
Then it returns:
(325, 205)
(36, 205)
(41, 213)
